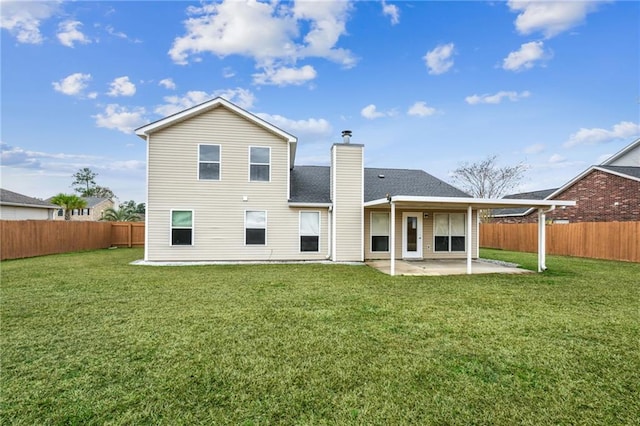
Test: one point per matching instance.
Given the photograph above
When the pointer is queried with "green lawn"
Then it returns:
(87, 338)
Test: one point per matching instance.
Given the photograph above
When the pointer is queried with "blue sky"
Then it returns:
(426, 85)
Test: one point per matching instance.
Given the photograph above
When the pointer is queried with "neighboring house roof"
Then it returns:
(10, 198)
(311, 184)
(186, 114)
(94, 201)
(628, 171)
(626, 151)
(91, 201)
(532, 195)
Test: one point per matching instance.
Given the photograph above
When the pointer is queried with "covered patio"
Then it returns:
(437, 267)
(471, 239)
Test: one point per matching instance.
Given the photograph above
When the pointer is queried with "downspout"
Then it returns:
(542, 239)
(329, 230)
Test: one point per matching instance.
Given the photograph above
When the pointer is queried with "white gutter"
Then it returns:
(476, 202)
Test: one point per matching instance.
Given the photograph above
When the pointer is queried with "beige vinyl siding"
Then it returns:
(347, 190)
(427, 235)
(218, 206)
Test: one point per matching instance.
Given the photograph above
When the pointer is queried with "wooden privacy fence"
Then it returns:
(127, 234)
(29, 238)
(598, 240)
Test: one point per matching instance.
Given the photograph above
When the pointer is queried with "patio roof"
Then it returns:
(463, 203)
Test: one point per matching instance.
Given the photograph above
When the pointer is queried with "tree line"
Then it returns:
(85, 186)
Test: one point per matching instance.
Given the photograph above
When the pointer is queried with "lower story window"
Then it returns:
(380, 231)
(181, 227)
(449, 232)
(309, 231)
(255, 228)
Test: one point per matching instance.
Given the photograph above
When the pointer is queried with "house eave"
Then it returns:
(461, 202)
(303, 204)
(33, 206)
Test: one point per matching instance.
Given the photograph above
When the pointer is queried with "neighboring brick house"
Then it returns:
(92, 212)
(609, 192)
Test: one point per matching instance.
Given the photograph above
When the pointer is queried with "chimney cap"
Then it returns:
(347, 133)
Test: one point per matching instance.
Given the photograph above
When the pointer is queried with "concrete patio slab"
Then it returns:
(436, 267)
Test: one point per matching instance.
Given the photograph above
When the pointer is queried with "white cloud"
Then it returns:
(167, 83)
(439, 59)
(113, 32)
(392, 11)
(420, 109)
(622, 130)
(122, 86)
(496, 98)
(121, 118)
(550, 17)
(370, 112)
(68, 33)
(536, 148)
(311, 126)
(241, 97)
(73, 85)
(23, 19)
(268, 32)
(228, 72)
(556, 158)
(285, 76)
(526, 57)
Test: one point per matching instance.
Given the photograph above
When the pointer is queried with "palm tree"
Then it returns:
(120, 215)
(68, 202)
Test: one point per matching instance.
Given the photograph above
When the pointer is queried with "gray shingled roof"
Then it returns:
(310, 184)
(625, 170)
(10, 197)
(533, 195)
(405, 182)
(91, 201)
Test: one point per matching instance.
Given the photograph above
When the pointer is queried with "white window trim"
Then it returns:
(193, 227)
(219, 162)
(266, 224)
(319, 230)
(259, 164)
(467, 238)
(371, 232)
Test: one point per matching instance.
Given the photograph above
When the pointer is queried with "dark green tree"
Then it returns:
(84, 180)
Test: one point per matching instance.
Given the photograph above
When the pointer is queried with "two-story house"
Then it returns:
(222, 185)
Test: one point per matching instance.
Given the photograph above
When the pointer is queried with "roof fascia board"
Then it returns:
(613, 172)
(481, 202)
(303, 204)
(621, 153)
(35, 206)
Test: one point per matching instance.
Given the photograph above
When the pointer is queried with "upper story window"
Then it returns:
(259, 164)
(209, 162)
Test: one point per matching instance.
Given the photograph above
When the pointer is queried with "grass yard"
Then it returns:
(87, 338)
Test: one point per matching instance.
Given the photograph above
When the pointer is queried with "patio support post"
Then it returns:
(392, 243)
(469, 238)
(542, 249)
